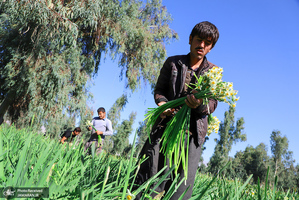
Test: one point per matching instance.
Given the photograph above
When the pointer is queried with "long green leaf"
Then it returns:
(129, 168)
(2, 174)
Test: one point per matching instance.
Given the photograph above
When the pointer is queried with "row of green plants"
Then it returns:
(28, 159)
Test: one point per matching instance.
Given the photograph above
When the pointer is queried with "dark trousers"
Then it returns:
(156, 162)
(88, 145)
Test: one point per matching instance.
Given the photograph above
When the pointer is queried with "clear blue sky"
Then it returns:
(258, 49)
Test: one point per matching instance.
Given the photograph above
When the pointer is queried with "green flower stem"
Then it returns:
(99, 136)
(175, 144)
(174, 139)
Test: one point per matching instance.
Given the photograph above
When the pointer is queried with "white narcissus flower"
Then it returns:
(208, 86)
(218, 77)
(209, 132)
(213, 89)
(130, 196)
(88, 123)
(213, 126)
(213, 83)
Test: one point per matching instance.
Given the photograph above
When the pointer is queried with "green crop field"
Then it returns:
(28, 159)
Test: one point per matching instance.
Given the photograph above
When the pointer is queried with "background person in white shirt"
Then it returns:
(103, 127)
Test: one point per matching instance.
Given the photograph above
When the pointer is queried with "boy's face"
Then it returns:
(76, 132)
(102, 114)
(199, 47)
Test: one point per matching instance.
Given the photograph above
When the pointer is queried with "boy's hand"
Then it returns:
(166, 112)
(191, 101)
(99, 132)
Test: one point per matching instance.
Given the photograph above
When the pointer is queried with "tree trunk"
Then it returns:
(5, 104)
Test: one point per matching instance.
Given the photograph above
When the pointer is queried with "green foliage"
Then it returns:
(142, 136)
(121, 139)
(32, 160)
(297, 175)
(283, 162)
(115, 110)
(279, 147)
(252, 161)
(224, 188)
(228, 134)
(49, 50)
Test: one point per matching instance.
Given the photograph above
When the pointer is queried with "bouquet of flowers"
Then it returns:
(88, 123)
(174, 140)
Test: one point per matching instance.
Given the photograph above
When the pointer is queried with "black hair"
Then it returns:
(77, 129)
(101, 109)
(206, 30)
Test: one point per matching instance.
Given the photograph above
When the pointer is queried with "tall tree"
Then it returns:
(287, 177)
(228, 135)
(202, 168)
(142, 137)
(297, 176)
(279, 148)
(114, 114)
(121, 138)
(49, 50)
(283, 160)
(254, 161)
(238, 166)
(115, 111)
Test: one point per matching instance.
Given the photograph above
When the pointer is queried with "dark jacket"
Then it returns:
(170, 86)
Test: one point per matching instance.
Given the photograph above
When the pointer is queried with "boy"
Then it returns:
(176, 73)
(103, 127)
(70, 134)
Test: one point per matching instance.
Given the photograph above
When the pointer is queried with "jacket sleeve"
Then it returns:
(109, 130)
(93, 123)
(161, 88)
